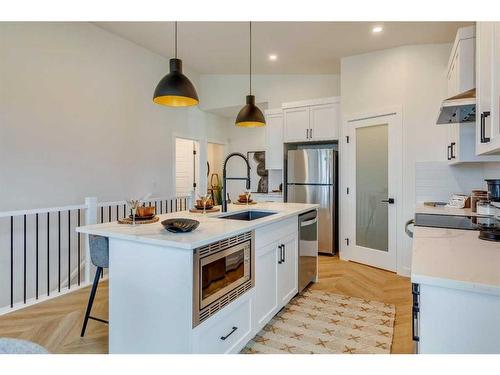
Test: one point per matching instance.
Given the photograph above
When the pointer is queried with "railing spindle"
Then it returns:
(36, 255)
(48, 254)
(59, 251)
(12, 261)
(79, 242)
(24, 258)
(69, 249)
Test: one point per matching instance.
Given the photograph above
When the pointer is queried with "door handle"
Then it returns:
(389, 200)
(233, 330)
(452, 150)
(307, 133)
(284, 253)
(310, 133)
(280, 260)
(407, 230)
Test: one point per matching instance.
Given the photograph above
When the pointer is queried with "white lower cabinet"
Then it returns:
(228, 332)
(447, 321)
(276, 272)
(287, 269)
(266, 285)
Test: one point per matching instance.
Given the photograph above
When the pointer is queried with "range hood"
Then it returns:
(459, 108)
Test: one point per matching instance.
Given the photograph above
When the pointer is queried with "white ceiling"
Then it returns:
(302, 47)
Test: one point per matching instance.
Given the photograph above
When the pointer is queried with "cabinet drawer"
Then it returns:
(269, 233)
(227, 332)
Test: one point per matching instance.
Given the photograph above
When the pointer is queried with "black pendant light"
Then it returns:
(175, 89)
(250, 116)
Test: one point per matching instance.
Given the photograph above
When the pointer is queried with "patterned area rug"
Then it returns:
(319, 322)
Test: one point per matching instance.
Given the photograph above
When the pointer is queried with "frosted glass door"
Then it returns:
(373, 196)
(372, 166)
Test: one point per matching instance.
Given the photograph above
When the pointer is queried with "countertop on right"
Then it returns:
(455, 259)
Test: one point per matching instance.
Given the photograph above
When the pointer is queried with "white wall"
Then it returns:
(413, 77)
(222, 91)
(77, 118)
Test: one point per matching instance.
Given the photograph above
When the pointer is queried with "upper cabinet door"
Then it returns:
(495, 90)
(274, 139)
(324, 122)
(296, 124)
(487, 88)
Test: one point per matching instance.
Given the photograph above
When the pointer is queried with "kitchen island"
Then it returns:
(168, 294)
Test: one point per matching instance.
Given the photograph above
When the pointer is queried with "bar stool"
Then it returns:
(99, 255)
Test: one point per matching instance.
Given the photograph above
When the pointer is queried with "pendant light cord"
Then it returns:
(175, 36)
(250, 57)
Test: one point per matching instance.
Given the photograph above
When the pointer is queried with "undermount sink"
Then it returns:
(247, 215)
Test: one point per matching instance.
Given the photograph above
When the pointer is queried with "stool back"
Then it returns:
(99, 250)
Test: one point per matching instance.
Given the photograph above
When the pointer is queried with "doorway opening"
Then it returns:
(215, 158)
(187, 166)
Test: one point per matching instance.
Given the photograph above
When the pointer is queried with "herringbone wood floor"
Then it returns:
(56, 324)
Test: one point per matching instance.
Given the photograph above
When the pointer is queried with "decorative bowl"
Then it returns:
(180, 225)
(145, 211)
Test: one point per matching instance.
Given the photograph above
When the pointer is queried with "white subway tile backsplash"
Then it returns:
(436, 181)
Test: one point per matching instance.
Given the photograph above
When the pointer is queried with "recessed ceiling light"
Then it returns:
(273, 57)
(377, 29)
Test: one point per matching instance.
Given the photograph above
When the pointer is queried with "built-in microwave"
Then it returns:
(223, 271)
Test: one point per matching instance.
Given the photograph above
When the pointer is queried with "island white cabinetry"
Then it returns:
(488, 88)
(311, 120)
(162, 286)
(276, 262)
(274, 138)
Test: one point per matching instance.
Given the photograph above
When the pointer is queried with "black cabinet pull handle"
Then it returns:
(310, 133)
(284, 253)
(453, 150)
(233, 330)
(389, 200)
(280, 260)
(484, 138)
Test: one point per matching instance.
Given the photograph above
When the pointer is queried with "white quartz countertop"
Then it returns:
(455, 259)
(211, 227)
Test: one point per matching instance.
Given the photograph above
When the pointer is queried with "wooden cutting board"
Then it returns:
(197, 211)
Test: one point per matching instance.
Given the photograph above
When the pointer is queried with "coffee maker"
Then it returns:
(494, 195)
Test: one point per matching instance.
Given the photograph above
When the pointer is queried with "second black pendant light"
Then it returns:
(175, 89)
(250, 115)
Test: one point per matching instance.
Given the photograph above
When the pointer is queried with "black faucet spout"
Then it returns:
(225, 178)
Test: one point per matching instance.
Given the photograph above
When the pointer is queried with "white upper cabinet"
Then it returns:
(461, 73)
(312, 120)
(324, 122)
(296, 124)
(488, 88)
(464, 67)
(274, 138)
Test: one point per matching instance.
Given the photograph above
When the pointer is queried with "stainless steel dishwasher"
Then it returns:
(308, 248)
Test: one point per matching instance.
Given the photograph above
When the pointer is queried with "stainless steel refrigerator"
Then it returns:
(312, 178)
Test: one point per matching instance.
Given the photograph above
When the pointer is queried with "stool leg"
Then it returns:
(91, 299)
